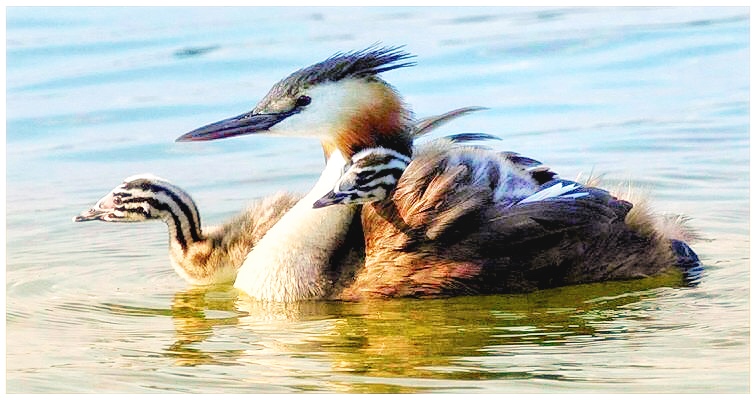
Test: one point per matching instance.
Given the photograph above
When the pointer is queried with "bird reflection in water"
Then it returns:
(401, 337)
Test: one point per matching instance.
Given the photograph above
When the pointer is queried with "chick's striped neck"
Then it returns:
(167, 202)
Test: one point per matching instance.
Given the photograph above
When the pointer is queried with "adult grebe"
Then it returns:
(453, 220)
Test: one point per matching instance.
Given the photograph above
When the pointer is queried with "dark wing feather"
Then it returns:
(566, 241)
(428, 124)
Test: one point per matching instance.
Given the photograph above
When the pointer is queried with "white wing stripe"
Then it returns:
(557, 190)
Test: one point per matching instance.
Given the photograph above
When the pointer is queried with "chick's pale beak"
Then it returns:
(244, 124)
(92, 214)
(100, 210)
(329, 199)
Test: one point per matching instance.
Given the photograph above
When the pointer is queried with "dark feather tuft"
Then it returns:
(517, 159)
(357, 64)
(471, 137)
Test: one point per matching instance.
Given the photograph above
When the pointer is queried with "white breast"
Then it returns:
(287, 264)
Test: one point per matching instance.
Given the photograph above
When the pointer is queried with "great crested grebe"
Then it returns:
(440, 219)
(213, 255)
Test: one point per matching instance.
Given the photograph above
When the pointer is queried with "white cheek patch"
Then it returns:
(332, 104)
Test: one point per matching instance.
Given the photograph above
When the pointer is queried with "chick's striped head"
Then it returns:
(371, 176)
(140, 198)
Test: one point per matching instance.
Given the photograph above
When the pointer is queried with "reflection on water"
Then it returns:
(194, 315)
(402, 338)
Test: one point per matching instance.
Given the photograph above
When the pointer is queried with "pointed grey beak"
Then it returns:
(244, 124)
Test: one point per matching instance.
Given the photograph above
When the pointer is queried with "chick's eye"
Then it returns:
(117, 200)
(303, 101)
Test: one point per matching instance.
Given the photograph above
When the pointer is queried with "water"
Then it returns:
(655, 96)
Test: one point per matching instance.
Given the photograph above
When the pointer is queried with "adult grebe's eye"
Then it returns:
(303, 101)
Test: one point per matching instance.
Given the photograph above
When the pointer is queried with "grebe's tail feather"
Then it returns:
(688, 262)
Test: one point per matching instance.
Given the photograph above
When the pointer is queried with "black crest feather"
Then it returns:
(356, 64)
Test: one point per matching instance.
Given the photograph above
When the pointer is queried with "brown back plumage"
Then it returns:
(448, 232)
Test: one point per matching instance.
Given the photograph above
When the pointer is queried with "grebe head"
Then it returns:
(340, 101)
(140, 198)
